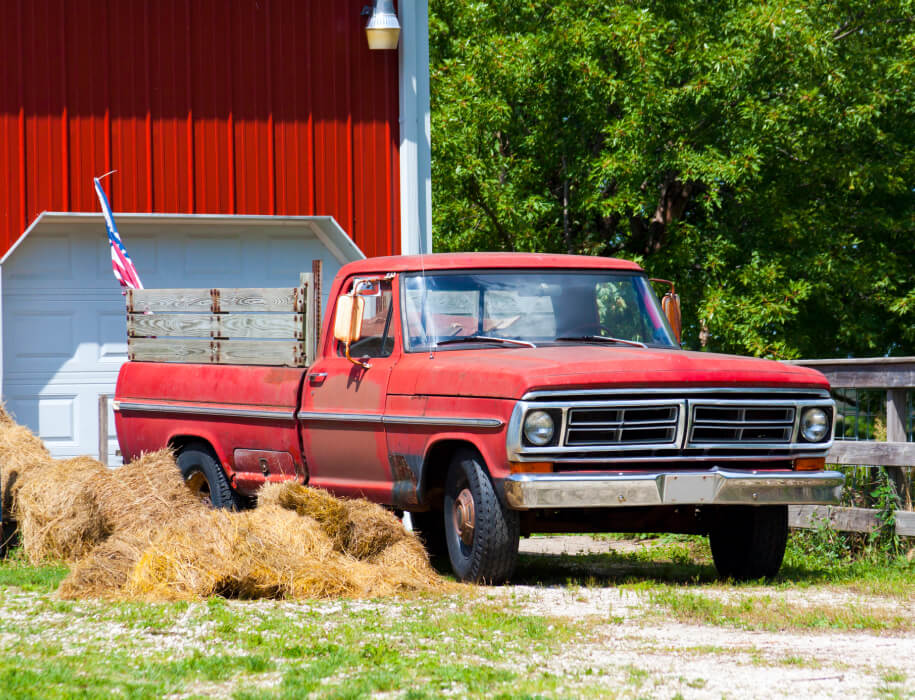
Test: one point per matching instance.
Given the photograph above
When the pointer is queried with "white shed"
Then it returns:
(63, 342)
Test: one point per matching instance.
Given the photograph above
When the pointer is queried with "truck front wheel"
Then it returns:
(748, 542)
(481, 534)
(204, 476)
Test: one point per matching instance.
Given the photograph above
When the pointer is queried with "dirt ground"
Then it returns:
(635, 647)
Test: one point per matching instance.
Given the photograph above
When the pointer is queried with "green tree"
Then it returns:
(760, 154)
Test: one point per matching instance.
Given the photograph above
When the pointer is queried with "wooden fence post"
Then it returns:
(895, 432)
(103, 429)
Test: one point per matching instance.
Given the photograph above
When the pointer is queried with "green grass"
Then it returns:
(677, 574)
(418, 647)
(763, 612)
(465, 644)
(685, 560)
(16, 571)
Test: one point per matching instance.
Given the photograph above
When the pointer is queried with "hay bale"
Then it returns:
(184, 560)
(370, 529)
(105, 570)
(285, 555)
(270, 552)
(145, 493)
(406, 568)
(318, 504)
(21, 453)
(357, 527)
(58, 512)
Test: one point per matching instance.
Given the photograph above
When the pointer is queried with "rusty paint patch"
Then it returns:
(403, 491)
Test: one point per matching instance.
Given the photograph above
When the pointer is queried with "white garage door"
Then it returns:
(63, 318)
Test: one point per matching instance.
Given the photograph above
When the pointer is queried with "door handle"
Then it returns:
(317, 377)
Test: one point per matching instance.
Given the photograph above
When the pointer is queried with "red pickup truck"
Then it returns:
(497, 395)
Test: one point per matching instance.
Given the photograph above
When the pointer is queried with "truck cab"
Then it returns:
(497, 395)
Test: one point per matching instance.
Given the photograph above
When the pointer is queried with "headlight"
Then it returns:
(814, 424)
(538, 428)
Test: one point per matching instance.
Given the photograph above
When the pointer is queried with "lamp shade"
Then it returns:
(383, 30)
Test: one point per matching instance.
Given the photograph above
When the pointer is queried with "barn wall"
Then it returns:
(202, 106)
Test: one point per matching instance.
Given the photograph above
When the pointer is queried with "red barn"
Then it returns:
(248, 137)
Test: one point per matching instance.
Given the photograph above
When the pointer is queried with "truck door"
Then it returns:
(343, 404)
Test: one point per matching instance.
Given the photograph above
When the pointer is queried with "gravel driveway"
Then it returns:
(629, 642)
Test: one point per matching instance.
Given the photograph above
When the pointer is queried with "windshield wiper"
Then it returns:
(484, 339)
(603, 338)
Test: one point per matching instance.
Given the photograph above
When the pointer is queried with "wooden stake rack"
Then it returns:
(254, 326)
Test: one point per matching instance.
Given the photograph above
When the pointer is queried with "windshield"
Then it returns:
(541, 307)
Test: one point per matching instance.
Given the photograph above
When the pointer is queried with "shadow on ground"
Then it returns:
(624, 563)
(605, 569)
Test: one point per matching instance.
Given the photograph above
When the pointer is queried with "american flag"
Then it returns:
(120, 260)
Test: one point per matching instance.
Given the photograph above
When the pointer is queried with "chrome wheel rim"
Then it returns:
(464, 517)
(199, 486)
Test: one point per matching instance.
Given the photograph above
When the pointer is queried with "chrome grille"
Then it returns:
(640, 426)
(622, 425)
(734, 423)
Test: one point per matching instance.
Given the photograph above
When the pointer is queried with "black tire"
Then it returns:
(492, 550)
(429, 526)
(204, 475)
(749, 542)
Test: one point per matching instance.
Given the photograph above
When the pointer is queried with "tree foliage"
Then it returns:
(760, 154)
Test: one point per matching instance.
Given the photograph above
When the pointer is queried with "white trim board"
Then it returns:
(325, 228)
(415, 130)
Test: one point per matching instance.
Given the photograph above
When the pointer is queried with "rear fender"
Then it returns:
(179, 440)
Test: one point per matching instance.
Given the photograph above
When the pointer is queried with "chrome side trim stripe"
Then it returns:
(457, 422)
(203, 410)
(400, 420)
(340, 417)
(306, 415)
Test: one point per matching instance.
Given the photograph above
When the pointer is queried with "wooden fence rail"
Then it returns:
(896, 375)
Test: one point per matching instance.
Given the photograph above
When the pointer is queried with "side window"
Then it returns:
(377, 326)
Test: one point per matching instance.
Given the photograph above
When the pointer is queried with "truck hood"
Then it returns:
(509, 373)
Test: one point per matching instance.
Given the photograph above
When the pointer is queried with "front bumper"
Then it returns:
(709, 487)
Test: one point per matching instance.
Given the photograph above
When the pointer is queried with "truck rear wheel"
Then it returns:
(481, 534)
(748, 542)
(203, 474)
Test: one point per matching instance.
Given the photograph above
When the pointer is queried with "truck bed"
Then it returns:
(162, 404)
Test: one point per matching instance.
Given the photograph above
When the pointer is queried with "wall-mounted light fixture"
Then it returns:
(382, 30)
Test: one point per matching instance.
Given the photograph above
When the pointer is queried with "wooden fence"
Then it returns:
(896, 376)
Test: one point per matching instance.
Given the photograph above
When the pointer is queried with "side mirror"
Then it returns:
(670, 304)
(348, 323)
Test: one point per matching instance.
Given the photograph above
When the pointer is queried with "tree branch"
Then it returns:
(476, 196)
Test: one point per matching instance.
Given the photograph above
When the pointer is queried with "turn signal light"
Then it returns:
(810, 464)
(531, 467)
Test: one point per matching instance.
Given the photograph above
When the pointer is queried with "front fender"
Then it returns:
(425, 433)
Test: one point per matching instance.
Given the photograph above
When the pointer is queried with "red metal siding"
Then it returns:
(203, 106)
